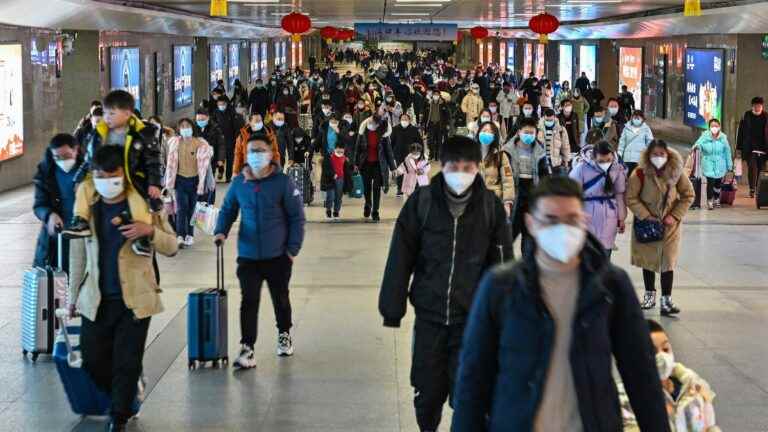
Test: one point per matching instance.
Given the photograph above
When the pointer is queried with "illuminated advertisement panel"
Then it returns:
(216, 65)
(11, 103)
(703, 86)
(631, 72)
(125, 72)
(182, 76)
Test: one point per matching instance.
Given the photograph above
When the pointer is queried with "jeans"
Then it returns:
(713, 188)
(667, 277)
(333, 196)
(252, 274)
(372, 182)
(186, 200)
(756, 164)
(113, 353)
(433, 369)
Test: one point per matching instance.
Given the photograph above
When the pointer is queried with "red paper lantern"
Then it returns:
(329, 33)
(479, 32)
(296, 24)
(345, 34)
(544, 24)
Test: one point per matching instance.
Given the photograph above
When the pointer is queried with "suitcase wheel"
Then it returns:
(193, 365)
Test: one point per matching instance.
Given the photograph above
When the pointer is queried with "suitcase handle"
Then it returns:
(73, 358)
(220, 267)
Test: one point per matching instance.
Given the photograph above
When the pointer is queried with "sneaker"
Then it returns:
(142, 247)
(78, 228)
(335, 215)
(717, 203)
(189, 241)
(284, 345)
(375, 216)
(366, 212)
(649, 300)
(667, 307)
(116, 425)
(180, 241)
(328, 214)
(710, 205)
(246, 359)
(751, 193)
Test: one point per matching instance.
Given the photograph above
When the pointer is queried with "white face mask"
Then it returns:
(459, 182)
(492, 109)
(527, 112)
(348, 120)
(279, 123)
(257, 126)
(659, 161)
(405, 124)
(372, 127)
(561, 242)
(665, 363)
(715, 130)
(110, 187)
(485, 119)
(66, 165)
(605, 166)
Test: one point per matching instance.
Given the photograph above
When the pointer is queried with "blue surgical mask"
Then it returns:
(222, 108)
(185, 132)
(485, 138)
(527, 139)
(549, 123)
(598, 120)
(258, 161)
(202, 123)
(637, 122)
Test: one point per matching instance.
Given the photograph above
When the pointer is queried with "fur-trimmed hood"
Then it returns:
(673, 170)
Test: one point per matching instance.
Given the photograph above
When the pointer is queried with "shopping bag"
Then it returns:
(205, 217)
(357, 186)
(169, 202)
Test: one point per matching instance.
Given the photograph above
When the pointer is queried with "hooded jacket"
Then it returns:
(634, 141)
(510, 335)
(716, 158)
(445, 256)
(560, 150)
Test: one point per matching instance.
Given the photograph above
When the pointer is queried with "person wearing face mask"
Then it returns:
(189, 159)
(564, 94)
(230, 123)
(553, 325)
(211, 133)
(604, 182)
(555, 139)
(472, 104)
(715, 160)
(87, 124)
(282, 131)
(752, 142)
(688, 397)
(495, 168)
(527, 112)
(626, 102)
(659, 192)
(437, 123)
(255, 126)
(330, 134)
(634, 140)
(603, 129)
(55, 196)
(404, 134)
(446, 236)
(508, 107)
(299, 149)
(288, 106)
(335, 180)
(414, 170)
(571, 122)
(374, 159)
(320, 118)
(269, 240)
(616, 115)
(117, 300)
(594, 97)
(258, 100)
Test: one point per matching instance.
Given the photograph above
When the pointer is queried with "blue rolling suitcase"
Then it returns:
(207, 321)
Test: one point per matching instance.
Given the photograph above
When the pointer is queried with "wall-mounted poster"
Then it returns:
(565, 67)
(588, 61)
(255, 62)
(216, 65)
(527, 60)
(631, 72)
(703, 86)
(125, 71)
(541, 60)
(182, 76)
(284, 54)
(11, 103)
(263, 59)
(511, 55)
(234, 63)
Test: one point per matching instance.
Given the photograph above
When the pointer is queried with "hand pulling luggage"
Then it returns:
(761, 193)
(43, 291)
(207, 321)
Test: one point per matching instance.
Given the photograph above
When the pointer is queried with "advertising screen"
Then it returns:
(283, 54)
(631, 72)
(263, 59)
(540, 60)
(277, 54)
(182, 76)
(588, 61)
(565, 67)
(703, 86)
(234, 63)
(125, 71)
(255, 61)
(11, 103)
(511, 55)
(527, 60)
(216, 65)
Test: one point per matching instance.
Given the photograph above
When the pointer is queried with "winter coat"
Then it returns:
(606, 132)
(744, 141)
(572, 125)
(716, 157)
(508, 106)
(203, 156)
(445, 114)
(241, 147)
(213, 136)
(560, 150)
(581, 107)
(471, 105)
(633, 142)
(604, 210)
(645, 198)
(327, 180)
(498, 177)
(259, 100)
(445, 256)
(386, 156)
(539, 158)
(402, 139)
(510, 335)
(229, 122)
(283, 135)
(409, 168)
(271, 221)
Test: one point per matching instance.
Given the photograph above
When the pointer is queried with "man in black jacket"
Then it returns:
(258, 100)
(230, 124)
(594, 97)
(447, 235)
(752, 141)
(543, 333)
(403, 136)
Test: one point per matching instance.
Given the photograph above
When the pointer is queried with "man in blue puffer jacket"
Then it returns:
(270, 237)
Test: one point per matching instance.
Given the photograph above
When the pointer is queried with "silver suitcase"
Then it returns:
(43, 291)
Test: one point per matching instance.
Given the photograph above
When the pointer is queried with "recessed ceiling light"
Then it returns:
(410, 14)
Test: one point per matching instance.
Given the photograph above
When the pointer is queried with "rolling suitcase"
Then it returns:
(84, 396)
(305, 122)
(301, 177)
(761, 193)
(728, 190)
(207, 321)
(43, 291)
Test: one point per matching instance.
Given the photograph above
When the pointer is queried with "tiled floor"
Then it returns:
(351, 374)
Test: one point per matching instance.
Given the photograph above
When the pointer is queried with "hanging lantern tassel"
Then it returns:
(692, 8)
(296, 37)
(218, 8)
(544, 38)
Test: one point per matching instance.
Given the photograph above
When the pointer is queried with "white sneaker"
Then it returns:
(141, 390)
(189, 241)
(284, 345)
(246, 359)
(180, 241)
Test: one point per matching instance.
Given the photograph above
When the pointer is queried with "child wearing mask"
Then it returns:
(336, 180)
(414, 169)
(555, 139)
(634, 140)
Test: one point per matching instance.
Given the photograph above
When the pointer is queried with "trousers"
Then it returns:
(252, 274)
(372, 183)
(186, 200)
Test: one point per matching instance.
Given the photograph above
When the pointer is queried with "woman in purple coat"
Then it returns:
(604, 181)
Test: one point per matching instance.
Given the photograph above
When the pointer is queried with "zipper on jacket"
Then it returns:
(450, 275)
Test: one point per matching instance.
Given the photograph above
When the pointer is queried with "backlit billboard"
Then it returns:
(588, 61)
(182, 76)
(631, 72)
(11, 103)
(234, 64)
(216, 64)
(125, 72)
(703, 86)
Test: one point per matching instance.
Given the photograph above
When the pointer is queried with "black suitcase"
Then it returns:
(301, 176)
(761, 193)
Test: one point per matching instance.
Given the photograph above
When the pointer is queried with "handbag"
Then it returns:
(649, 231)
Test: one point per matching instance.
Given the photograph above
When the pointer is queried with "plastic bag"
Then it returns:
(204, 218)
